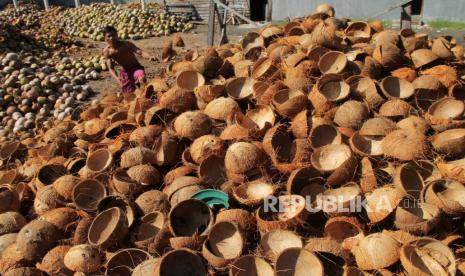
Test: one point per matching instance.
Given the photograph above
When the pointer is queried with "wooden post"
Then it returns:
(112, 2)
(142, 3)
(46, 5)
(269, 11)
(77, 3)
(15, 3)
(406, 16)
(223, 23)
(211, 24)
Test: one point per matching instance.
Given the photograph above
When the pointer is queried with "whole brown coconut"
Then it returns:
(146, 174)
(351, 114)
(405, 144)
(53, 261)
(83, 258)
(243, 157)
(192, 124)
(36, 238)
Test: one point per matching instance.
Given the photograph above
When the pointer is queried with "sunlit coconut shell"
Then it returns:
(91, 130)
(366, 88)
(123, 261)
(408, 179)
(445, 113)
(397, 88)
(242, 68)
(253, 193)
(325, 34)
(128, 207)
(427, 256)
(83, 258)
(118, 129)
(47, 174)
(330, 157)
(11, 222)
(192, 124)
(446, 74)
(224, 244)
(243, 158)
(5, 241)
(358, 32)
(300, 76)
(384, 251)
(188, 80)
(204, 146)
(381, 202)
(53, 261)
(9, 199)
(194, 242)
(414, 122)
(146, 268)
(244, 219)
(99, 160)
(108, 228)
(333, 87)
(152, 201)
(405, 73)
(74, 165)
(145, 175)
(332, 62)
(177, 100)
(123, 184)
(8, 150)
(422, 57)
(145, 136)
(297, 261)
(181, 262)
(387, 37)
(404, 144)
(137, 156)
(388, 55)
(416, 218)
(250, 266)
(36, 238)
(345, 197)
(87, 193)
(366, 145)
(442, 48)
(190, 217)
(63, 218)
(46, 199)
(324, 134)
(12, 258)
(240, 88)
(289, 102)
(450, 142)
(331, 253)
(207, 93)
(276, 241)
(149, 232)
(301, 124)
(378, 126)
(446, 194)
(23, 271)
(351, 114)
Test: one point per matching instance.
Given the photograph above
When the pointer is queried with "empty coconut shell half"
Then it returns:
(108, 228)
(384, 251)
(190, 217)
(446, 194)
(415, 217)
(274, 242)
(307, 263)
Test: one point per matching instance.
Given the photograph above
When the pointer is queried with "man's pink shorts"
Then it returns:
(130, 77)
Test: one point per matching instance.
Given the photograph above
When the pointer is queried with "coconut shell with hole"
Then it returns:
(47, 174)
(253, 193)
(288, 102)
(83, 258)
(108, 228)
(87, 193)
(332, 62)
(184, 222)
(251, 266)
(146, 268)
(393, 87)
(99, 160)
(177, 100)
(449, 142)
(300, 76)
(204, 146)
(381, 202)
(243, 158)
(36, 238)
(53, 261)
(445, 194)
(418, 218)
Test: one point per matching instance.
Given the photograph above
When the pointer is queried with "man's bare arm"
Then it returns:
(111, 69)
(142, 53)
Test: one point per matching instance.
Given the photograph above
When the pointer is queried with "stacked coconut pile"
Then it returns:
(321, 108)
(131, 21)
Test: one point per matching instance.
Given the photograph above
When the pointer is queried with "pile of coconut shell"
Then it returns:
(319, 108)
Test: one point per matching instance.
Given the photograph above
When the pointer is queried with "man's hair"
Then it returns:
(109, 30)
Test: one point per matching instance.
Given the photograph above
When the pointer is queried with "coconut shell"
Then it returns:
(308, 262)
(381, 202)
(64, 185)
(152, 201)
(417, 220)
(46, 199)
(449, 142)
(36, 238)
(199, 222)
(276, 241)
(405, 145)
(12, 258)
(108, 228)
(414, 122)
(300, 76)
(384, 251)
(405, 73)
(145, 136)
(9, 199)
(146, 175)
(351, 114)
(250, 265)
(63, 218)
(11, 222)
(221, 109)
(82, 258)
(82, 228)
(137, 156)
(24, 271)
(289, 102)
(177, 100)
(446, 74)
(7, 240)
(87, 193)
(192, 124)
(53, 261)
(180, 262)
(242, 158)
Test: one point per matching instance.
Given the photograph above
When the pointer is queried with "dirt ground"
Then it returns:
(195, 39)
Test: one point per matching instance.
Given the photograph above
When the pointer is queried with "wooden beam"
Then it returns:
(46, 6)
(406, 16)
(269, 11)
(211, 23)
(142, 3)
(77, 3)
(15, 3)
